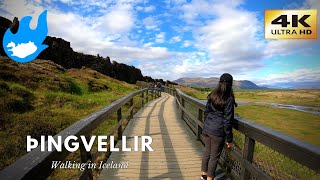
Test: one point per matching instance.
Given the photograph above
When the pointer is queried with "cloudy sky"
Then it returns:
(171, 39)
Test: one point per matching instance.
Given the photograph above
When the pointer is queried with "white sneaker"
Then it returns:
(203, 177)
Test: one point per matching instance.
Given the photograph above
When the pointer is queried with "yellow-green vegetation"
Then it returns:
(301, 125)
(304, 126)
(43, 98)
(193, 92)
(294, 97)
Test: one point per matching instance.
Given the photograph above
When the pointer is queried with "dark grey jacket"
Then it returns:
(219, 122)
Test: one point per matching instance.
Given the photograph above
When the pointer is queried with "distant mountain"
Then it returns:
(213, 81)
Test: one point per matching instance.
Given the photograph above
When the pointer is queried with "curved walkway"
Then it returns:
(176, 155)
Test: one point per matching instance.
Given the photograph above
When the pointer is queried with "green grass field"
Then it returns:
(304, 126)
(294, 97)
(301, 125)
(41, 98)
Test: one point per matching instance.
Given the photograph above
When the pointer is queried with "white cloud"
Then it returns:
(286, 47)
(118, 20)
(151, 23)
(231, 43)
(187, 43)
(160, 38)
(139, 8)
(87, 4)
(175, 2)
(192, 64)
(198, 66)
(92, 39)
(149, 8)
(65, 1)
(149, 44)
(201, 8)
(227, 44)
(144, 54)
(146, 9)
(175, 39)
(299, 75)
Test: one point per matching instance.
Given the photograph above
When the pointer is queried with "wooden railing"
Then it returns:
(259, 151)
(37, 164)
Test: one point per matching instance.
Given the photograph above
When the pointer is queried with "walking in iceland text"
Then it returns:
(90, 165)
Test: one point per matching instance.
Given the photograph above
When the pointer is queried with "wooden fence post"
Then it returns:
(119, 114)
(131, 112)
(85, 156)
(182, 111)
(199, 130)
(142, 97)
(248, 151)
(147, 94)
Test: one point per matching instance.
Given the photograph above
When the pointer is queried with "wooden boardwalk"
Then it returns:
(176, 155)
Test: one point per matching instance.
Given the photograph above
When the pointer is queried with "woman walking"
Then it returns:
(217, 129)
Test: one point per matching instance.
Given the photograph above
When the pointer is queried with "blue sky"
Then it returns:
(171, 39)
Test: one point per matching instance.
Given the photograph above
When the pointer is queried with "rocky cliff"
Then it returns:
(4, 25)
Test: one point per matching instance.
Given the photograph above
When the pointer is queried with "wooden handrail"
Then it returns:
(301, 152)
(37, 164)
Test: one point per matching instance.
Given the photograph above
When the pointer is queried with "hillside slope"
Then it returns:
(213, 81)
(43, 98)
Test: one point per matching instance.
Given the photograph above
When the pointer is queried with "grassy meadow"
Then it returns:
(301, 125)
(43, 98)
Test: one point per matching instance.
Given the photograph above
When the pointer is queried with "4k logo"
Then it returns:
(290, 24)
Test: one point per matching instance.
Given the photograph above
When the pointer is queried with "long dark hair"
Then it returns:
(220, 95)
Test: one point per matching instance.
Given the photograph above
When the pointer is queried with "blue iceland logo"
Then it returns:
(26, 44)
